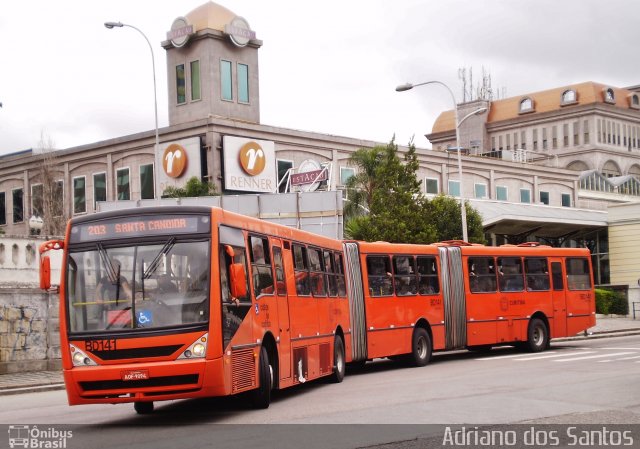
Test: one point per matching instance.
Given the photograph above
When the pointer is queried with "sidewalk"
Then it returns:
(30, 382)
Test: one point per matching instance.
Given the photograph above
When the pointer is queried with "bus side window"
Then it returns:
(317, 272)
(537, 273)
(510, 274)
(578, 276)
(261, 267)
(405, 275)
(556, 276)
(342, 288)
(482, 275)
(301, 270)
(281, 284)
(329, 266)
(428, 273)
(379, 276)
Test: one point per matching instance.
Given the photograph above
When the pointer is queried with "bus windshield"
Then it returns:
(133, 287)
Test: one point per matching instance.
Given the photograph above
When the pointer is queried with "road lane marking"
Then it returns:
(506, 356)
(592, 357)
(544, 356)
(622, 349)
(630, 358)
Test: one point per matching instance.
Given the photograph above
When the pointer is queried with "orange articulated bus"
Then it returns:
(183, 302)
(415, 299)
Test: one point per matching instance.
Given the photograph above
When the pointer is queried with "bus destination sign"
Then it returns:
(138, 227)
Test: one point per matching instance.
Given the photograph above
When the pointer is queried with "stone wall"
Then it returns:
(29, 330)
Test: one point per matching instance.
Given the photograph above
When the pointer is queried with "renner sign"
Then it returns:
(249, 164)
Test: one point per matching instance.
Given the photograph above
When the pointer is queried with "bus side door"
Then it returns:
(284, 324)
(559, 298)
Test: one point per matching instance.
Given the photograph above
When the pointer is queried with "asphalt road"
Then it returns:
(582, 382)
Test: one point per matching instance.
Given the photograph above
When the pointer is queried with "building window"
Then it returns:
(454, 188)
(609, 95)
(566, 200)
(122, 184)
(37, 200)
(585, 132)
(226, 85)
(283, 168)
(501, 193)
(634, 101)
(17, 195)
(243, 83)
(569, 97)
(493, 143)
(544, 139)
(431, 186)
(345, 174)
(146, 182)
(535, 139)
(544, 198)
(181, 95)
(554, 136)
(99, 188)
(195, 80)
(525, 196)
(523, 140)
(480, 190)
(508, 142)
(565, 135)
(3, 209)
(58, 198)
(526, 105)
(79, 195)
(576, 133)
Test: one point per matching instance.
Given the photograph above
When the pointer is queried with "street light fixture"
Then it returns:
(463, 210)
(111, 25)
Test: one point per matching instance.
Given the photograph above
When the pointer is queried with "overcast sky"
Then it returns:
(329, 66)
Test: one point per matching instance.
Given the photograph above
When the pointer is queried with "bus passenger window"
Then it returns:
(342, 289)
(301, 270)
(428, 273)
(405, 277)
(510, 274)
(261, 267)
(482, 275)
(281, 283)
(578, 275)
(316, 263)
(331, 273)
(537, 273)
(379, 276)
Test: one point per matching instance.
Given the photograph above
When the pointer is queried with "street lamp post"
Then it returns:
(463, 210)
(111, 25)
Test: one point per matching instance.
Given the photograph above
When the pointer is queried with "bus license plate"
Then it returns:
(140, 374)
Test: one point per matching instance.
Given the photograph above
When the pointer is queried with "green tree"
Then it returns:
(193, 188)
(388, 188)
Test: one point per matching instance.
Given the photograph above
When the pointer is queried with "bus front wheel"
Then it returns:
(143, 408)
(421, 347)
(261, 396)
(537, 336)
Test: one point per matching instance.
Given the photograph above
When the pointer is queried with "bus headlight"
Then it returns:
(197, 350)
(79, 358)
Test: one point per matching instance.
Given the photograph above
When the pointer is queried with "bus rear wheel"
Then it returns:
(537, 336)
(339, 365)
(261, 396)
(420, 347)
(143, 408)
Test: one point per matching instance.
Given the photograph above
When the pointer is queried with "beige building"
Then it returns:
(542, 166)
(624, 249)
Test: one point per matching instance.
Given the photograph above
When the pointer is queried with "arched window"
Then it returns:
(526, 105)
(610, 169)
(569, 97)
(578, 166)
(634, 101)
(635, 171)
(609, 95)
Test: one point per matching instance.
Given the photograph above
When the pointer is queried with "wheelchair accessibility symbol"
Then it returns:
(144, 318)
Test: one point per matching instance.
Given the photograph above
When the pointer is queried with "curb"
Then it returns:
(602, 334)
(30, 389)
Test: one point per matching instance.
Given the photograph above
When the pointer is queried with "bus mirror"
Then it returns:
(238, 280)
(229, 250)
(45, 273)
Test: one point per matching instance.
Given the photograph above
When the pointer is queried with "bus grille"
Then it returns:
(153, 382)
(243, 369)
(138, 353)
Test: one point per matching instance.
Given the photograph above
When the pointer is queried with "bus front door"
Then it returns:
(559, 299)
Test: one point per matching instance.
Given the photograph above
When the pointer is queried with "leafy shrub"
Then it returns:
(609, 301)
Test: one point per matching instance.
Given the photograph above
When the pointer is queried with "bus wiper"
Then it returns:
(112, 274)
(153, 266)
